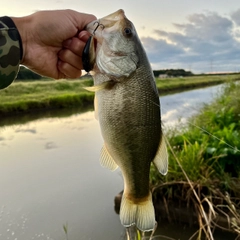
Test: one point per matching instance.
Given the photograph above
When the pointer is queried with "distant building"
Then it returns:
(163, 76)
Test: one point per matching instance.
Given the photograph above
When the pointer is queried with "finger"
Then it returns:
(68, 70)
(71, 58)
(84, 36)
(75, 45)
(61, 75)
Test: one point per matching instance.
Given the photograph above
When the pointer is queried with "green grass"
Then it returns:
(32, 95)
(178, 84)
(27, 96)
(204, 164)
(212, 140)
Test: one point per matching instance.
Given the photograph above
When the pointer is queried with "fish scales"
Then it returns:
(126, 119)
(128, 109)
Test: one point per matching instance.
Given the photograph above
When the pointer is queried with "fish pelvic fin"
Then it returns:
(141, 214)
(161, 158)
(106, 160)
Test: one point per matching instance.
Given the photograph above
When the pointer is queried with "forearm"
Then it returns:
(10, 51)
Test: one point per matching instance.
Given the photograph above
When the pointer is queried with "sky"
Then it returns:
(201, 36)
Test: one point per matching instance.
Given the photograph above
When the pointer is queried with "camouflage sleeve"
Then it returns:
(10, 51)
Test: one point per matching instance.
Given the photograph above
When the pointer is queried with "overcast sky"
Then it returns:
(197, 35)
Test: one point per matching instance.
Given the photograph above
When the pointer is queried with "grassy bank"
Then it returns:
(203, 183)
(168, 85)
(27, 96)
(33, 95)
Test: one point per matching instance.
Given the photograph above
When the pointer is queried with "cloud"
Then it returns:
(208, 41)
(208, 26)
(160, 50)
(236, 17)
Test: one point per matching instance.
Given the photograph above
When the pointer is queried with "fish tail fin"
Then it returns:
(141, 214)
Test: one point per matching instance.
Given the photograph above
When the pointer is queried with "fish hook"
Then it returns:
(98, 25)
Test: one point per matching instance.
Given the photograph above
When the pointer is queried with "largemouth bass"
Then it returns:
(128, 109)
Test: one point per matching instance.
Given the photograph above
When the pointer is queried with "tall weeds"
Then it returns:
(204, 169)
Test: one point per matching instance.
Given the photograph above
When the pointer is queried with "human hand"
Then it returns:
(53, 42)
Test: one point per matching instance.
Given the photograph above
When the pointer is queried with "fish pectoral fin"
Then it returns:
(142, 214)
(95, 88)
(106, 160)
(161, 158)
(99, 87)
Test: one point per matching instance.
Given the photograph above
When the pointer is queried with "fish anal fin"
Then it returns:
(161, 158)
(141, 214)
(106, 160)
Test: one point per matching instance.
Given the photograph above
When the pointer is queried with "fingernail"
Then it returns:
(82, 34)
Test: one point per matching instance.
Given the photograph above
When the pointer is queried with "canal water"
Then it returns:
(50, 174)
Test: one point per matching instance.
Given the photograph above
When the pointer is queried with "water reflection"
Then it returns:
(26, 130)
(54, 113)
(177, 108)
(50, 174)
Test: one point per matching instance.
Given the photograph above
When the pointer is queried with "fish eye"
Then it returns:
(128, 32)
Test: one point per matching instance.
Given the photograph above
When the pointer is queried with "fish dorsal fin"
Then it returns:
(161, 158)
(106, 160)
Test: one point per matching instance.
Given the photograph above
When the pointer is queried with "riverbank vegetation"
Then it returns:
(203, 183)
(28, 96)
(167, 85)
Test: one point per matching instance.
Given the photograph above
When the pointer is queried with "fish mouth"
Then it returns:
(111, 48)
(95, 28)
(105, 22)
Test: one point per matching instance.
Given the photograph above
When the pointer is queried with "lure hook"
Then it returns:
(98, 25)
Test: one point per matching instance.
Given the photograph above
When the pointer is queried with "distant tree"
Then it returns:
(158, 72)
(173, 72)
(25, 73)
